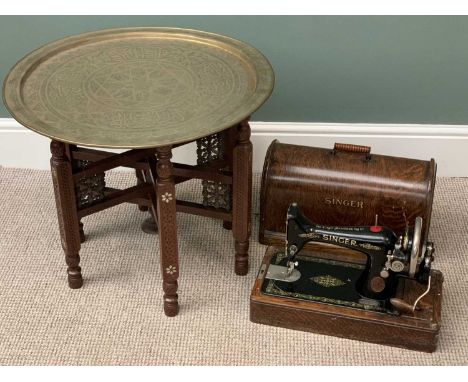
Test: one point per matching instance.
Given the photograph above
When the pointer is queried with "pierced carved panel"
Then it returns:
(210, 148)
(216, 194)
(91, 189)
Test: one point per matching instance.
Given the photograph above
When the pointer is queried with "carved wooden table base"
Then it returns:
(224, 165)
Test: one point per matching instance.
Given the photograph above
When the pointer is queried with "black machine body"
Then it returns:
(388, 256)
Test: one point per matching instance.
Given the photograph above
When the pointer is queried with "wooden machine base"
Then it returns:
(416, 331)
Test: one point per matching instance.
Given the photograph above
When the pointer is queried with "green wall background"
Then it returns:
(375, 69)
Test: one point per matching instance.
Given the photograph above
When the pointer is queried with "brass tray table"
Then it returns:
(147, 90)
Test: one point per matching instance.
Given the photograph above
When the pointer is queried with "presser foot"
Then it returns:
(281, 273)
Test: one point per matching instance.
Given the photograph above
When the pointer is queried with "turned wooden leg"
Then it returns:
(242, 197)
(64, 190)
(166, 215)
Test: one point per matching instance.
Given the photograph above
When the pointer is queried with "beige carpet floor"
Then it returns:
(117, 318)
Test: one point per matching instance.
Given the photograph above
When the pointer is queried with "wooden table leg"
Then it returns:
(166, 214)
(75, 167)
(231, 139)
(65, 199)
(242, 197)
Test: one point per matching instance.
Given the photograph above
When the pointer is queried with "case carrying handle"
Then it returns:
(350, 148)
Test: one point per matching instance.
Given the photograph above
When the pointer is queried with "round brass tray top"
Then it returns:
(137, 87)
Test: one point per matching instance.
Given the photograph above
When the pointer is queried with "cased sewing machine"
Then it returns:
(364, 282)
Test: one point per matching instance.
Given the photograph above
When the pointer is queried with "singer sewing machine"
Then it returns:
(389, 296)
(388, 257)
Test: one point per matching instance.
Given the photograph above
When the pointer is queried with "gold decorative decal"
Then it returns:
(310, 235)
(171, 270)
(328, 227)
(273, 290)
(369, 246)
(327, 281)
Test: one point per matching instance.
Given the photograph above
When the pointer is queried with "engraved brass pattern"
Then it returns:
(90, 189)
(327, 281)
(137, 87)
